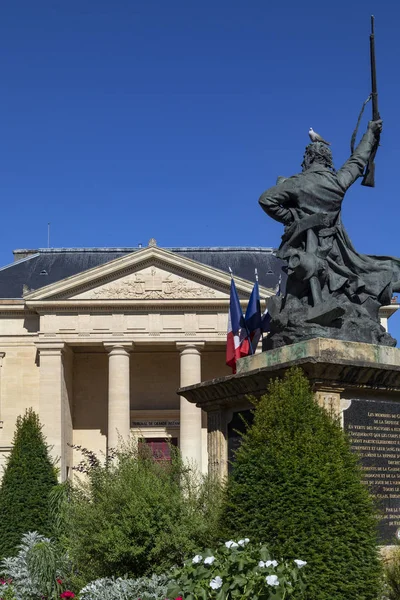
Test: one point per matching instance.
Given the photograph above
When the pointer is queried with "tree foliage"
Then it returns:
(135, 516)
(297, 486)
(28, 478)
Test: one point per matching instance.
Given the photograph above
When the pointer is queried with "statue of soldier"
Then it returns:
(331, 290)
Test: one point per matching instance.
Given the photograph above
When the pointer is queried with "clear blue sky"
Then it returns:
(123, 120)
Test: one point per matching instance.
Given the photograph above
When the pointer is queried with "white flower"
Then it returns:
(243, 542)
(261, 563)
(272, 580)
(231, 544)
(196, 559)
(300, 563)
(271, 563)
(216, 583)
(209, 560)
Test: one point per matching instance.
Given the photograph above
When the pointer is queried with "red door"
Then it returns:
(161, 447)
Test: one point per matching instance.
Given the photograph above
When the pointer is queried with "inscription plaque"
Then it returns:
(374, 431)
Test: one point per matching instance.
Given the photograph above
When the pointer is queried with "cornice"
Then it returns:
(388, 311)
(143, 306)
(135, 340)
(21, 309)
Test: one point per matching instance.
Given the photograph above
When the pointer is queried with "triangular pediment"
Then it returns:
(148, 275)
(154, 282)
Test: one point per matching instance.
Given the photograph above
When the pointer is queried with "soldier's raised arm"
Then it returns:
(354, 167)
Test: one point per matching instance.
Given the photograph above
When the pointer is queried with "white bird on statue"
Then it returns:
(315, 137)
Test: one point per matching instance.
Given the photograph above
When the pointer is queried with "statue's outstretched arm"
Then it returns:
(354, 167)
(273, 202)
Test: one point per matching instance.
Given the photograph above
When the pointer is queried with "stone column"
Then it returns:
(54, 402)
(384, 322)
(217, 444)
(190, 415)
(119, 425)
(2, 355)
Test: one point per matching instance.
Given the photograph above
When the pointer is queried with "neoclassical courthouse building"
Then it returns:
(98, 340)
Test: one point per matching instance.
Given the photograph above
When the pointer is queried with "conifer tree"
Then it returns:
(297, 486)
(28, 478)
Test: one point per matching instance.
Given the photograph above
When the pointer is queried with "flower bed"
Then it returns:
(236, 570)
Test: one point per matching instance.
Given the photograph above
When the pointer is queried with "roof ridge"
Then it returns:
(35, 252)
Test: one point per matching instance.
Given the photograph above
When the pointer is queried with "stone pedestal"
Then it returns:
(358, 382)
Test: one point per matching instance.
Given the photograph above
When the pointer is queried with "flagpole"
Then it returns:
(256, 274)
(248, 335)
(262, 333)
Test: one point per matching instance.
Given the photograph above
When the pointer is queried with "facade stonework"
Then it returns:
(102, 353)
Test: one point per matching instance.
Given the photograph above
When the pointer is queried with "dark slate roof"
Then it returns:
(38, 268)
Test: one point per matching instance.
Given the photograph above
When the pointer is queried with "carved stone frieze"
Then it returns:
(151, 284)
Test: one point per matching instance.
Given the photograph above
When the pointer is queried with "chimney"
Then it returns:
(23, 253)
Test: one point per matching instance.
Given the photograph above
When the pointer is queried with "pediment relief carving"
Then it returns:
(150, 283)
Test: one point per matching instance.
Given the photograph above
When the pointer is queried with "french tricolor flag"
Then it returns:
(236, 329)
(252, 320)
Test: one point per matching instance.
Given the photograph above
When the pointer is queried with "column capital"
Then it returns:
(117, 347)
(51, 348)
(190, 347)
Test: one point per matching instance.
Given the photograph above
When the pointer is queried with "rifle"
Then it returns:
(369, 176)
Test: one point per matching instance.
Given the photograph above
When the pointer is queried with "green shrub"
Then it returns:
(237, 570)
(136, 516)
(28, 478)
(391, 567)
(296, 485)
(58, 501)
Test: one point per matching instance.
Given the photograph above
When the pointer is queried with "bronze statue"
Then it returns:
(331, 291)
